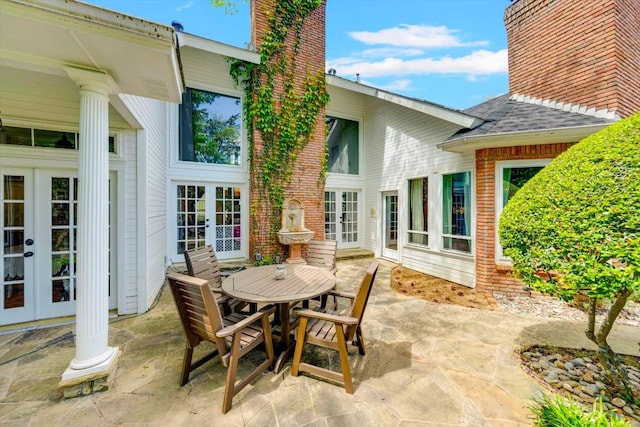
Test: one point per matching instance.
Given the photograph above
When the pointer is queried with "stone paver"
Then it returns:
(426, 364)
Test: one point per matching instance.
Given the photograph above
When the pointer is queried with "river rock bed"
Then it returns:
(579, 375)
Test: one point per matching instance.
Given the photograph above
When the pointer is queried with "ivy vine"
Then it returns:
(283, 113)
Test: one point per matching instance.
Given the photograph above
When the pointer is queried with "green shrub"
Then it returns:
(561, 412)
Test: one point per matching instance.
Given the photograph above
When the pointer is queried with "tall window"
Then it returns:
(343, 146)
(419, 211)
(456, 211)
(509, 179)
(210, 126)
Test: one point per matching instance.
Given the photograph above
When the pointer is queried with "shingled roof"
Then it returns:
(504, 115)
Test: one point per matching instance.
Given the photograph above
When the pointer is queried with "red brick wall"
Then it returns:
(488, 276)
(305, 181)
(576, 51)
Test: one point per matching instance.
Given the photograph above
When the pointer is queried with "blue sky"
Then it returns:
(451, 52)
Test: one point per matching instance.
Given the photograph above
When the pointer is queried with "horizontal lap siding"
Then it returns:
(130, 224)
(207, 71)
(152, 115)
(401, 144)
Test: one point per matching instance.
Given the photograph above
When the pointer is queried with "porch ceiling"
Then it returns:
(48, 35)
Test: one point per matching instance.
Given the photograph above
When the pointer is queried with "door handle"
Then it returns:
(28, 254)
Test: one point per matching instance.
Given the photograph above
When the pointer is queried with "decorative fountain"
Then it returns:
(293, 233)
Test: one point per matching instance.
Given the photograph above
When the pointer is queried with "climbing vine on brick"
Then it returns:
(285, 116)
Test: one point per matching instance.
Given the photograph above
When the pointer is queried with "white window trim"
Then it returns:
(472, 233)
(428, 233)
(360, 121)
(500, 166)
(174, 136)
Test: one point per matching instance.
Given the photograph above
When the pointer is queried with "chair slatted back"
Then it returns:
(198, 310)
(203, 263)
(322, 253)
(360, 303)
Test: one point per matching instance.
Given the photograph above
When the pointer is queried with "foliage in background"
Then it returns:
(561, 412)
(216, 139)
(574, 230)
(286, 121)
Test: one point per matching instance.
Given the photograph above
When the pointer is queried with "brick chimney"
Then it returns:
(305, 183)
(579, 52)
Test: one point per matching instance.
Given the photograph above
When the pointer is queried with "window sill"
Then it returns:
(504, 266)
(444, 252)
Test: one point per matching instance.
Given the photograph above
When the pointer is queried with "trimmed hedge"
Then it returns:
(575, 226)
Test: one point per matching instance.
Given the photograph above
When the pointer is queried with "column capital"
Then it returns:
(92, 80)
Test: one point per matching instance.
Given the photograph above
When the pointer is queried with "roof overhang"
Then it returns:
(189, 40)
(453, 116)
(509, 139)
(49, 36)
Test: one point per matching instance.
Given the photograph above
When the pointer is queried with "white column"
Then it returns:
(93, 354)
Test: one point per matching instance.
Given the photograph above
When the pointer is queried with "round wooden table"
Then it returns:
(259, 285)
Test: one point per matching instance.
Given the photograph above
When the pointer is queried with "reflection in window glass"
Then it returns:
(342, 145)
(514, 178)
(44, 138)
(456, 214)
(15, 136)
(210, 126)
(419, 211)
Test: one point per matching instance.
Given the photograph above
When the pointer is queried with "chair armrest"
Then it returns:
(341, 294)
(343, 320)
(231, 329)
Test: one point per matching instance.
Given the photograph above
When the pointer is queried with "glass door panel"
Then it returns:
(209, 214)
(17, 264)
(341, 218)
(390, 225)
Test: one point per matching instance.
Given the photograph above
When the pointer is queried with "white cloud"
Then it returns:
(479, 62)
(185, 6)
(398, 85)
(383, 52)
(421, 36)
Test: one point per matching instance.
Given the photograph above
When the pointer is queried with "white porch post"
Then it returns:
(93, 355)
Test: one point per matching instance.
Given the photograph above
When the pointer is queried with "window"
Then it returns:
(343, 146)
(418, 211)
(44, 138)
(510, 177)
(210, 128)
(456, 211)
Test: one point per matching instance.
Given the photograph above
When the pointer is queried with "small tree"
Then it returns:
(574, 230)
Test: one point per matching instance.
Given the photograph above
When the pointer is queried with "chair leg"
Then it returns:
(229, 387)
(359, 341)
(268, 341)
(186, 365)
(297, 355)
(344, 359)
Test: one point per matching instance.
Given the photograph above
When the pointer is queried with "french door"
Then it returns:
(390, 225)
(341, 214)
(39, 252)
(209, 213)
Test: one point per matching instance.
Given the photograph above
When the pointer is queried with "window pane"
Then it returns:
(53, 139)
(456, 214)
(210, 126)
(419, 211)
(343, 145)
(514, 178)
(15, 136)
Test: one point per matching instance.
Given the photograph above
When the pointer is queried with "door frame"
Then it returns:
(339, 213)
(387, 252)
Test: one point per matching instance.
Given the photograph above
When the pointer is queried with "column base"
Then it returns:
(81, 382)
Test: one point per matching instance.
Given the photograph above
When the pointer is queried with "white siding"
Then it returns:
(152, 197)
(400, 144)
(205, 70)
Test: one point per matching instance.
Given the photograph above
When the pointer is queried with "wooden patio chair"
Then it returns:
(333, 331)
(203, 263)
(322, 253)
(233, 335)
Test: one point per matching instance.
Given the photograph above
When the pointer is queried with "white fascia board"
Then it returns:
(509, 139)
(453, 116)
(92, 14)
(189, 40)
